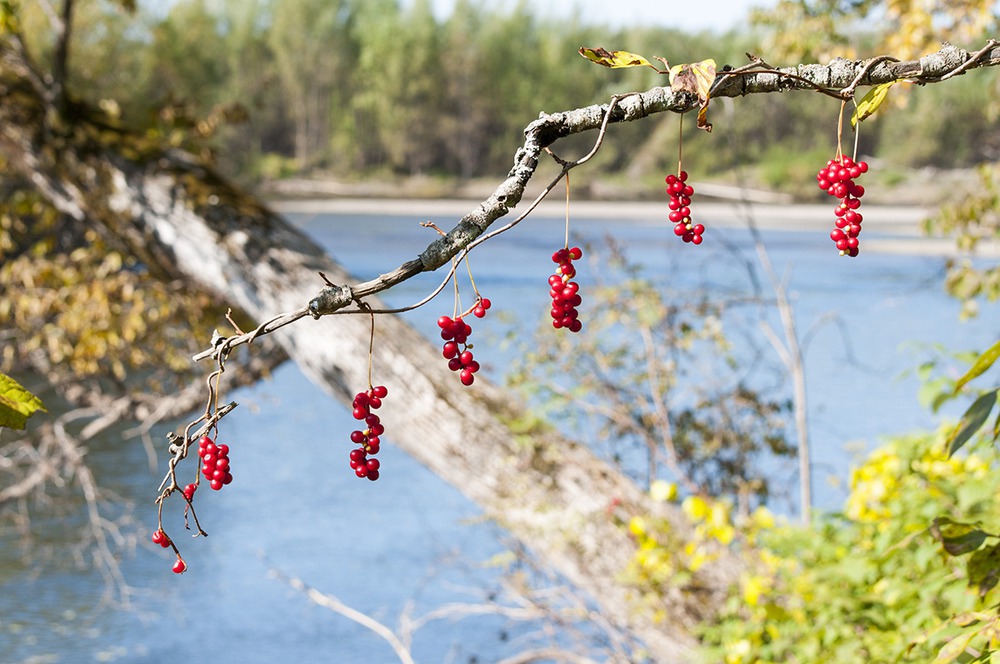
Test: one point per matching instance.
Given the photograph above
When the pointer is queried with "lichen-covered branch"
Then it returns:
(837, 76)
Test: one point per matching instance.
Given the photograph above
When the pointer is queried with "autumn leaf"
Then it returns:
(614, 59)
(871, 102)
(982, 363)
(16, 403)
(696, 78)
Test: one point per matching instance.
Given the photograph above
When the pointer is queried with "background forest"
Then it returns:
(357, 90)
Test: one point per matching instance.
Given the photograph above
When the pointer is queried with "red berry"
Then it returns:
(179, 567)
(189, 491)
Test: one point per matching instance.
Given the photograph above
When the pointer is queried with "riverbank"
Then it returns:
(890, 229)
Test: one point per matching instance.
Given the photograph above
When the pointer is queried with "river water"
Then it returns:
(412, 543)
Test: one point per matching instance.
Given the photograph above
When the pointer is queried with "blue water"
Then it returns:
(410, 537)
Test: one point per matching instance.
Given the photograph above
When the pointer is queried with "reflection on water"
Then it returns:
(411, 537)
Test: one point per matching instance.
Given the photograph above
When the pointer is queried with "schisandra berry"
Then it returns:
(456, 348)
(160, 537)
(215, 463)
(189, 491)
(680, 193)
(565, 292)
(837, 179)
(367, 439)
(179, 567)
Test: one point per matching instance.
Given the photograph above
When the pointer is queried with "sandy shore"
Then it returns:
(892, 229)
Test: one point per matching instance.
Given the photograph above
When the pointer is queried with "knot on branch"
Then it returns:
(329, 300)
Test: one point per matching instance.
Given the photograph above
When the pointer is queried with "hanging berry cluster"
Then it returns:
(837, 180)
(367, 439)
(565, 293)
(215, 464)
(457, 349)
(680, 193)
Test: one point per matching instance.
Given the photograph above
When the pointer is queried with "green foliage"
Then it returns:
(383, 88)
(890, 579)
(907, 572)
(16, 403)
(975, 218)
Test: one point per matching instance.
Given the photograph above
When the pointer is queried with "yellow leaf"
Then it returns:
(663, 491)
(696, 78)
(870, 102)
(614, 59)
(695, 507)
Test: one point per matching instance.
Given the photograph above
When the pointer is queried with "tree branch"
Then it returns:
(839, 75)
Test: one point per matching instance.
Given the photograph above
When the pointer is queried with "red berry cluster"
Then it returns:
(457, 349)
(215, 464)
(565, 292)
(364, 403)
(837, 179)
(680, 211)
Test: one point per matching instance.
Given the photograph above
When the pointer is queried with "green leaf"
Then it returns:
(955, 647)
(984, 362)
(983, 569)
(614, 59)
(972, 420)
(16, 403)
(870, 102)
(957, 538)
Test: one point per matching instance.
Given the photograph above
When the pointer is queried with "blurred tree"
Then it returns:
(312, 47)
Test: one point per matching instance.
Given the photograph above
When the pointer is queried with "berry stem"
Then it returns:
(371, 348)
(567, 211)
(468, 267)
(680, 143)
(857, 131)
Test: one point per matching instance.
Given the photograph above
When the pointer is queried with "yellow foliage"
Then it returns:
(906, 29)
(663, 491)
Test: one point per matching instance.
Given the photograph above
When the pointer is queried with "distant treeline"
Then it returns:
(365, 87)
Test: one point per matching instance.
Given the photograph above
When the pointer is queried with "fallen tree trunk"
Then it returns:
(181, 218)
